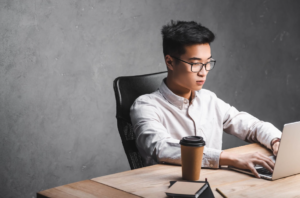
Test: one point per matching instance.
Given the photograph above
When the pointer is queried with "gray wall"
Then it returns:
(58, 60)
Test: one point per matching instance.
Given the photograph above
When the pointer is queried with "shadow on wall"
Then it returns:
(230, 141)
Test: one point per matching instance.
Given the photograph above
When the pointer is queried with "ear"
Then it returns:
(169, 62)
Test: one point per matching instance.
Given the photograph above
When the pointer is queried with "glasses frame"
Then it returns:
(215, 62)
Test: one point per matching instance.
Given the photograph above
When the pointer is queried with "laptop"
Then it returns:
(287, 161)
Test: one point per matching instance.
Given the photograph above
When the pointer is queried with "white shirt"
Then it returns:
(161, 119)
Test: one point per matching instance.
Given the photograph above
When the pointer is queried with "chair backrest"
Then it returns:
(127, 89)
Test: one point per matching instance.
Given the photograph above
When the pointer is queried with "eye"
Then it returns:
(197, 63)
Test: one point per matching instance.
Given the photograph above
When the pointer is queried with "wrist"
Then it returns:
(227, 158)
(274, 141)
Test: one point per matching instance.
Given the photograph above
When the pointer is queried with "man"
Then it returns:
(180, 107)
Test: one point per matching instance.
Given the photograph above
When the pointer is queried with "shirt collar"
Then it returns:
(174, 99)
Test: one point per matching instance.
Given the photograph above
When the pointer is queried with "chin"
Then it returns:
(198, 88)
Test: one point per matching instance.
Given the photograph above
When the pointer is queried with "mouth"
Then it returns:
(200, 82)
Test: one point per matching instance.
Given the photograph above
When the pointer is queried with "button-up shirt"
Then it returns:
(162, 118)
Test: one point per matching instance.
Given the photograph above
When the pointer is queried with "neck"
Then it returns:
(177, 89)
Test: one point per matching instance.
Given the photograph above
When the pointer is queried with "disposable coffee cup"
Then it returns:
(191, 157)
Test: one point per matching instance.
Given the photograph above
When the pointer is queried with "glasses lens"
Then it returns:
(210, 65)
(196, 67)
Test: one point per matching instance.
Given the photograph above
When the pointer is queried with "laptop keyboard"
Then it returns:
(264, 171)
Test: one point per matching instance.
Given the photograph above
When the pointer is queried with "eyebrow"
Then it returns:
(195, 58)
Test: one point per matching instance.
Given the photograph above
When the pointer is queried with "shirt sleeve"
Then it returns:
(247, 127)
(211, 157)
(153, 140)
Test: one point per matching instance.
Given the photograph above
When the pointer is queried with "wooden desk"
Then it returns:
(152, 181)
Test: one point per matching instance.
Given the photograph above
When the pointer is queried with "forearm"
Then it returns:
(249, 128)
(227, 158)
(156, 145)
(167, 151)
(264, 132)
(211, 157)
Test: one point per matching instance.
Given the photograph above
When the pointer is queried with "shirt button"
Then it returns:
(185, 101)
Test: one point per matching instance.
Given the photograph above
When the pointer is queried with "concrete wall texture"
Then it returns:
(58, 60)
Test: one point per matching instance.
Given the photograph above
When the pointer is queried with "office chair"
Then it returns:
(127, 89)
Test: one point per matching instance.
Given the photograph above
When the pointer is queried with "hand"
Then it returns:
(275, 148)
(247, 161)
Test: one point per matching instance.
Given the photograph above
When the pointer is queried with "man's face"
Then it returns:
(182, 74)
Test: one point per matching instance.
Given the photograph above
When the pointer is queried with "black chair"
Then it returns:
(127, 89)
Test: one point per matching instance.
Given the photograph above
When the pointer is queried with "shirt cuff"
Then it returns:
(211, 157)
(273, 133)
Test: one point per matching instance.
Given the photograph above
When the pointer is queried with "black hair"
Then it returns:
(179, 34)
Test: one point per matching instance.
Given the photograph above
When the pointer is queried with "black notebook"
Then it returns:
(196, 189)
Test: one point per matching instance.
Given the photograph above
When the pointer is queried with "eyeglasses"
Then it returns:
(196, 67)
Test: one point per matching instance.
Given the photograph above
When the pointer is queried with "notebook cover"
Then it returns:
(207, 193)
(186, 189)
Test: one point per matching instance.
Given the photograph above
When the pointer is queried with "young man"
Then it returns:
(180, 107)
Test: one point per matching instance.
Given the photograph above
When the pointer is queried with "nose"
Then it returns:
(202, 72)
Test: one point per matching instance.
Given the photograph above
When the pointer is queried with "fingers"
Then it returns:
(268, 160)
(248, 161)
(253, 170)
(275, 151)
(275, 148)
(264, 164)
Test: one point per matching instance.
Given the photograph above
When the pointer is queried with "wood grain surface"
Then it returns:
(153, 181)
(84, 189)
